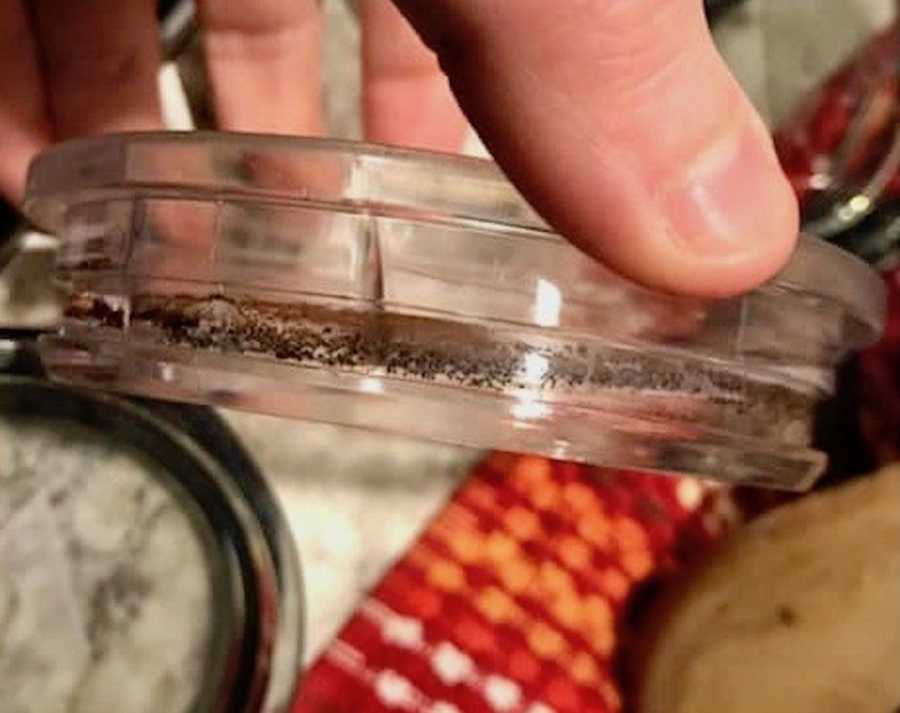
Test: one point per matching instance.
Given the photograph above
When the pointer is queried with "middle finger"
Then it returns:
(406, 97)
(263, 60)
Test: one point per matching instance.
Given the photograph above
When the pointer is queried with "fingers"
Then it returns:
(24, 128)
(406, 97)
(263, 60)
(100, 60)
(622, 125)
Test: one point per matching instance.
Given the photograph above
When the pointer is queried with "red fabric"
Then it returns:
(514, 598)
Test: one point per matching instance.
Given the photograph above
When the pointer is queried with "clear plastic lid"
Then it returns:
(419, 293)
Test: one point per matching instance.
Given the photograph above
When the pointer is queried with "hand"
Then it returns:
(617, 119)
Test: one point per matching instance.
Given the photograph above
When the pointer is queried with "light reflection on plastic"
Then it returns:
(371, 386)
(528, 408)
(536, 367)
(560, 449)
(547, 303)
(528, 404)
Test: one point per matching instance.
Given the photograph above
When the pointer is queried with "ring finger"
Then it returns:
(406, 97)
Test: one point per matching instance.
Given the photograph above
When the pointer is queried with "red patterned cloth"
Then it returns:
(514, 598)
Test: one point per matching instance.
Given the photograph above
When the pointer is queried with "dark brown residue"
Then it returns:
(410, 347)
(96, 310)
(787, 615)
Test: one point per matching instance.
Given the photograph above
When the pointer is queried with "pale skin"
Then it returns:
(617, 119)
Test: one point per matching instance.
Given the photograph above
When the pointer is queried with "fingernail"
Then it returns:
(732, 197)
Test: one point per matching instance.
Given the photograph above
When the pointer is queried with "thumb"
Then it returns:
(621, 124)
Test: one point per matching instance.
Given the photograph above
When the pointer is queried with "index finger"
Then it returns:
(24, 125)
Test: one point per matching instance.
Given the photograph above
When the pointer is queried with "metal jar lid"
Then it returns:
(147, 562)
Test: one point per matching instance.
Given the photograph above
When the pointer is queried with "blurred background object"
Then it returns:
(840, 145)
